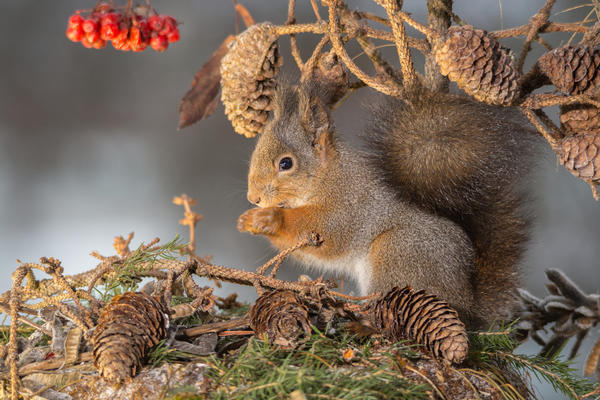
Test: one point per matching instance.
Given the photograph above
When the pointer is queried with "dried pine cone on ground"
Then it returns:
(580, 154)
(407, 313)
(478, 64)
(572, 69)
(127, 328)
(281, 316)
(247, 78)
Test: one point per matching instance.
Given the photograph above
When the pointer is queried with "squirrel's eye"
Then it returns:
(285, 163)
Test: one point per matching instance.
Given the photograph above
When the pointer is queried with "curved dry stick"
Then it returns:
(550, 138)
(537, 21)
(308, 67)
(317, 28)
(283, 254)
(439, 18)
(54, 269)
(15, 302)
(419, 44)
(291, 20)
(427, 31)
(388, 88)
(551, 27)
(408, 69)
(381, 66)
(374, 17)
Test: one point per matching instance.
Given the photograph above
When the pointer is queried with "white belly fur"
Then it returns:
(355, 266)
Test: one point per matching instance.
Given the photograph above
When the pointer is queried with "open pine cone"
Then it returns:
(281, 316)
(478, 64)
(581, 156)
(407, 313)
(248, 73)
(572, 69)
(578, 118)
(127, 328)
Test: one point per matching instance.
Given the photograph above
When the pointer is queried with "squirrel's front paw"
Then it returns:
(260, 221)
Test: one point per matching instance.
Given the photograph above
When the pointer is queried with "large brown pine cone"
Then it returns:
(572, 69)
(248, 73)
(127, 328)
(478, 64)
(578, 118)
(405, 313)
(581, 156)
(281, 316)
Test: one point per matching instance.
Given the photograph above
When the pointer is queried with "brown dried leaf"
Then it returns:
(201, 100)
(72, 345)
(592, 364)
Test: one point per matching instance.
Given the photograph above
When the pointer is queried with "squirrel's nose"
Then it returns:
(253, 198)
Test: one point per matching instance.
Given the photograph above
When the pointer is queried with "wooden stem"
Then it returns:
(439, 18)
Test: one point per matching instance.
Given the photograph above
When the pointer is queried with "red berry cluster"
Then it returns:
(125, 29)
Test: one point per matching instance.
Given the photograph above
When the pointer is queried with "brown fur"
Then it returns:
(463, 160)
(428, 234)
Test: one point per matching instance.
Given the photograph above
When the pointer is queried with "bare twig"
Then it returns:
(439, 14)
(315, 8)
(15, 303)
(408, 69)
(536, 22)
(308, 241)
(312, 61)
(291, 20)
(217, 327)
(389, 88)
(550, 27)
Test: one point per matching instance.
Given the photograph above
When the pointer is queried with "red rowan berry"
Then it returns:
(75, 21)
(156, 22)
(169, 26)
(159, 42)
(93, 36)
(90, 25)
(75, 34)
(99, 44)
(173, 36)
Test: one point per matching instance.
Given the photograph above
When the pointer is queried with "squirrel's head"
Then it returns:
(294, 150)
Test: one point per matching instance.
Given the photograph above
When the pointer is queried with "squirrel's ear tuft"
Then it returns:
(314, 116)
(316, 121)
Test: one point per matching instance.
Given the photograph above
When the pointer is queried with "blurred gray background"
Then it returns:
(89, 147)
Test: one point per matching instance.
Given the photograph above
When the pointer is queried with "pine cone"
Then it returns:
(579, 154)
(248, 73)
(281, 316)
(578, 118)
(408, 313)
(128, 326)
(478, 64)
(572, 69)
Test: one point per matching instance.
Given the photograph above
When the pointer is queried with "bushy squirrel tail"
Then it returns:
(463, 160)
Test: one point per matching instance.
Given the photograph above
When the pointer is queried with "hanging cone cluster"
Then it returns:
(248, 73)
(407, 313)
(127, 327)
(478, 64)
(572, 69)
(577, 118)
(281, 316)
(581, 156)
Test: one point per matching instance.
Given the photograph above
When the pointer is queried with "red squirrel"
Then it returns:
(432, 202)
